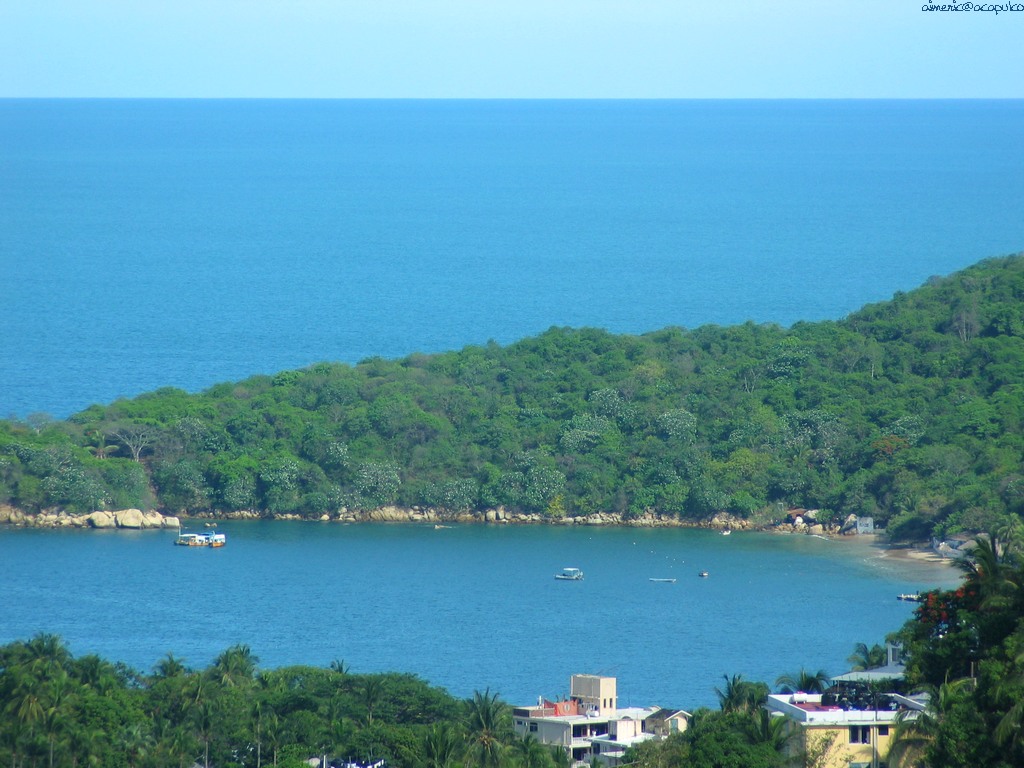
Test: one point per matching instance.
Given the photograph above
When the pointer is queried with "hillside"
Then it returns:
(909, 410)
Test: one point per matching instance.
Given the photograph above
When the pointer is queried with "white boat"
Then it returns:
(726, 532)
(570, 574)
(206, 539)
(703, 574)
(910, 598)
(663, 581)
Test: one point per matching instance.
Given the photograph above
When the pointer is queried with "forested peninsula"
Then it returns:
(909, 411)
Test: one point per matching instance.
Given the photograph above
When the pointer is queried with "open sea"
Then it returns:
(150, 243)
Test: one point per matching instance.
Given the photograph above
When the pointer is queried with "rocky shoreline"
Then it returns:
(134, 519)
(129, 519)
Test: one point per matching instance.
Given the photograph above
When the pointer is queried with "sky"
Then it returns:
(503, 49)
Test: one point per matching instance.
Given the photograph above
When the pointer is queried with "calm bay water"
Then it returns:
(182, 243)
(467, 607)
(149, 243)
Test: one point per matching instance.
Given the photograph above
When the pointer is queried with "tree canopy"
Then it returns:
(910, 410)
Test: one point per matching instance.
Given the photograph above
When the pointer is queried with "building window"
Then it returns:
(533, 727)
(860, 734)
(883, 730)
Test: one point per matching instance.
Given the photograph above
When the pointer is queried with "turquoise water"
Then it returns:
(146, 243)
(467, 607)
(183, 243)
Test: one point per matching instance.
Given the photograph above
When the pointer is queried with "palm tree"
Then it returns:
(26, 710)
(986, 567)
(867, 658)
(1011, 725)
(46, 653)
(256, 718)
(559, 757)
(442, 746)
(58, 699)
(96, 673)
(136, 741)
(531, 753)
(371, 695)
(339, 732)
(273, 730)
(773, 730)
(741, 695)
(84, 742)
(916, 729)
(169, 666)
(1011, 531)
(803, 682)
(198, 708)
(236, 666)
(488, 725)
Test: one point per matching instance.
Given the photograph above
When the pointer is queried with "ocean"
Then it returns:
(469, 607)
(151, 243)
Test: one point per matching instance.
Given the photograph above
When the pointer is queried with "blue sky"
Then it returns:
(502, 49)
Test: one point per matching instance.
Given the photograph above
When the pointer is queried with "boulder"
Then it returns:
(101, 519)
(170, 521)
(152, 519)
(9, 514)
(850, 524)
(130, 518)
(816, 530)
(389, 515)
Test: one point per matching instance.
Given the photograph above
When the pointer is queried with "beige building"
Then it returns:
(589, 724)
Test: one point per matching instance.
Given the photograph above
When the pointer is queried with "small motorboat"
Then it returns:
(570, 574)
(663, 581)
(703, 574)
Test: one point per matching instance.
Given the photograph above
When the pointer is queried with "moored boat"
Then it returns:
(663, 581)
(570, 574)
(206, 539)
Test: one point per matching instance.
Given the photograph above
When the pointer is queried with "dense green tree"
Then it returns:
(908, 410)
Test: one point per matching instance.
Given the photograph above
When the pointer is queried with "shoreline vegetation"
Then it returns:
(909, 412)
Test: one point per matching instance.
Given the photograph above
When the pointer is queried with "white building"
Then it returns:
(590, 724)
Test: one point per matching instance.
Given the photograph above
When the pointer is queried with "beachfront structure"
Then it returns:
(848, 725)
(590, 725)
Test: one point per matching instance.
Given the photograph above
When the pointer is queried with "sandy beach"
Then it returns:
(914, 563)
